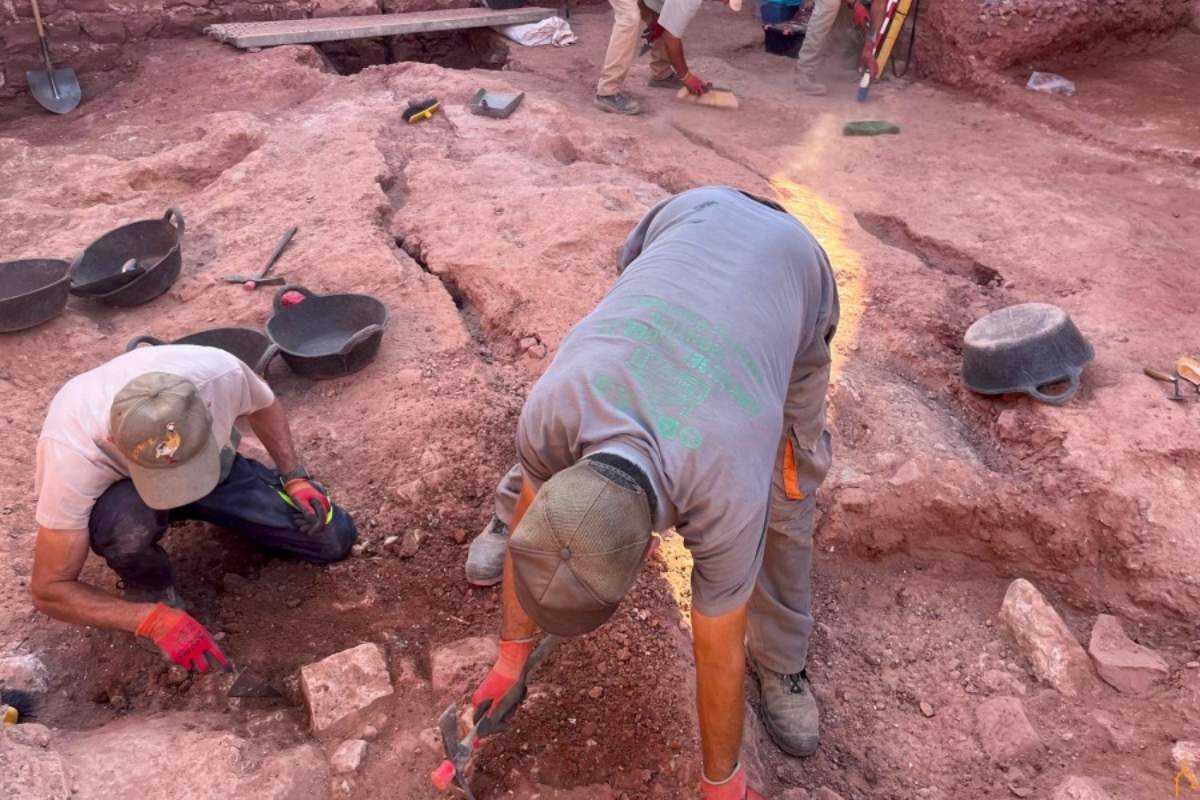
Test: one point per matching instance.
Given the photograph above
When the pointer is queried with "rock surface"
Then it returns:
(1186, 754)
(1057, 657)
(1077, 788)
(457, 666)
(1123, 663)
(31, 773)
(349, 756)
(344, 683)
(25, 672)
(1005, 732)
(185, 755)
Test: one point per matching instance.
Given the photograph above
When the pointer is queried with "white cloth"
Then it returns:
(676, 15)
(75, 460)
(552, 30)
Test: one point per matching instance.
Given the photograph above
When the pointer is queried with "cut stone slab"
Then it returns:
(1123, 663)
(344, 683)
(1057, 657)
(349, 756)
(455, 667)
(1005, 732)
(332, 29)
(1077, 788)
(25, 672)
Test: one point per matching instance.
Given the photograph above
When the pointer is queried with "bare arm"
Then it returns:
(720, 672)
(58, 558)
(674, 47)
(516, 623)
(270, 425)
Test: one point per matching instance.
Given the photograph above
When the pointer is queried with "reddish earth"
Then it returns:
(488, 239)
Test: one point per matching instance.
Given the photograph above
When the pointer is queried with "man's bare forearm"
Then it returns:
(516, 624)
(81, 604)
(271, 427)
(720, 702)
(674, 47)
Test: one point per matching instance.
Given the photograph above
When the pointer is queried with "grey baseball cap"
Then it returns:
(162, 427)
(579, 547)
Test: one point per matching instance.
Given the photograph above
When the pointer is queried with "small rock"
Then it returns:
(926, 709)
(1057, 658)
(348, 756)
(854, 499)
(411, 542)
(1019, 790)
(623, 654)
(28, 733)
(292, 602)
(1186, 754)
(24, 672)
(1005, 732)
(825, 793)
(596, 692)
(1122, 738)
(1077, 788)
(234, 583)
(456, 666)
(1193, 665)
(344, 683)
(369, 732)
(1124, 664)
(795, 794)
(997, 681)
(909, 471)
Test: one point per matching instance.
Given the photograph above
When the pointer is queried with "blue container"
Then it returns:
(777, 12)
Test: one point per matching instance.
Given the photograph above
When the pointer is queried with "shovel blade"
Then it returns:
(60, 95)
(250, 684)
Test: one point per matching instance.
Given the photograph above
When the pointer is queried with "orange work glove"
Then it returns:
(182, 639)
(732, 788)
(504, 673)
(695, 84)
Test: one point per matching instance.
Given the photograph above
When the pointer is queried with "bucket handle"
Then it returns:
(178, 219)
(291, 287)
(1061, 397)
(143, 339)
(358, 338)
(265, 359)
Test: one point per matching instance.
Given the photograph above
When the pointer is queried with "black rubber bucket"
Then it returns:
(32, 291)
(327, 336)
(1023, 348)
(250, 345)
(154, 245)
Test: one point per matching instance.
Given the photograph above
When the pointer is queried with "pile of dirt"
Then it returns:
(488, 239)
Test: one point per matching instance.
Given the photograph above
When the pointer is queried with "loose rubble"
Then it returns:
(1121, 662)
(349, 756)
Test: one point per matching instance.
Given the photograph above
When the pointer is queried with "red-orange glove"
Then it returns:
(314, 507)
(504, 673)
(732, 788)
(862, 17)
(695, 84)
(182, 639)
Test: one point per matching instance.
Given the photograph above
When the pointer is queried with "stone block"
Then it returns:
(344, 683)
(1005, 732)
(1056, 656)
(349, 756)
(1124, 664)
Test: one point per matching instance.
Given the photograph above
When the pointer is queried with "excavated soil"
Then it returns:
(489, 239)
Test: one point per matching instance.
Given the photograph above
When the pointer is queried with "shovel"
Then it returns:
(56, 89)
(251, 684)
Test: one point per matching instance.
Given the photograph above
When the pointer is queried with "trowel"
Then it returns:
(250, 684)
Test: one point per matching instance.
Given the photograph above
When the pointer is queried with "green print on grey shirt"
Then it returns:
(679, 358)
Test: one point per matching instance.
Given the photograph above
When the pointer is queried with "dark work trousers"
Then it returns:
(126, 532)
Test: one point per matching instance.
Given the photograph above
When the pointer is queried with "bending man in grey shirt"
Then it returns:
(698, 383)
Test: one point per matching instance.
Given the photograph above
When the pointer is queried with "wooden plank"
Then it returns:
(332, 29)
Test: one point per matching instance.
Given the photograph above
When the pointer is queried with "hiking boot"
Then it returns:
(619, 103)
(806, 84)
(788, 710)
(672, 81)
(485, 556)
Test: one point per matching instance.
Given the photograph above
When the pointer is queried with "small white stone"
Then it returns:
(348, 756)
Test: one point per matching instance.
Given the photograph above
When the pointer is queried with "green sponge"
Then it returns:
(873, 127)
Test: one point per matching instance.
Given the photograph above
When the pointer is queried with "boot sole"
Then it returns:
(484, 581)
(611, 110)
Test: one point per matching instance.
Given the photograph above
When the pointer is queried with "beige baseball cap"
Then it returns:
(579, 547)
(162, 426)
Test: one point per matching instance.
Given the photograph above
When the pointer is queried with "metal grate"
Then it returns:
(332, 29)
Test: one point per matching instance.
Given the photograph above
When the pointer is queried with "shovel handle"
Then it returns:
(37, 19)
(1158, 375)
(443, 776)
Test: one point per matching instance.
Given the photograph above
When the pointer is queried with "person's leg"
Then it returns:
(485, 556)
(662, 75)
(825, 13)
(622, 49)
(248, 504)
(125, 532)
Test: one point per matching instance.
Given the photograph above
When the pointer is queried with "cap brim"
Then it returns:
(567, 622)
(185, 483)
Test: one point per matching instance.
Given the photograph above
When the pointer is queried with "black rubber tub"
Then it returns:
(250, 345)
(32, 291)
(327, 336)
(104, 273)
(1025, 348)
